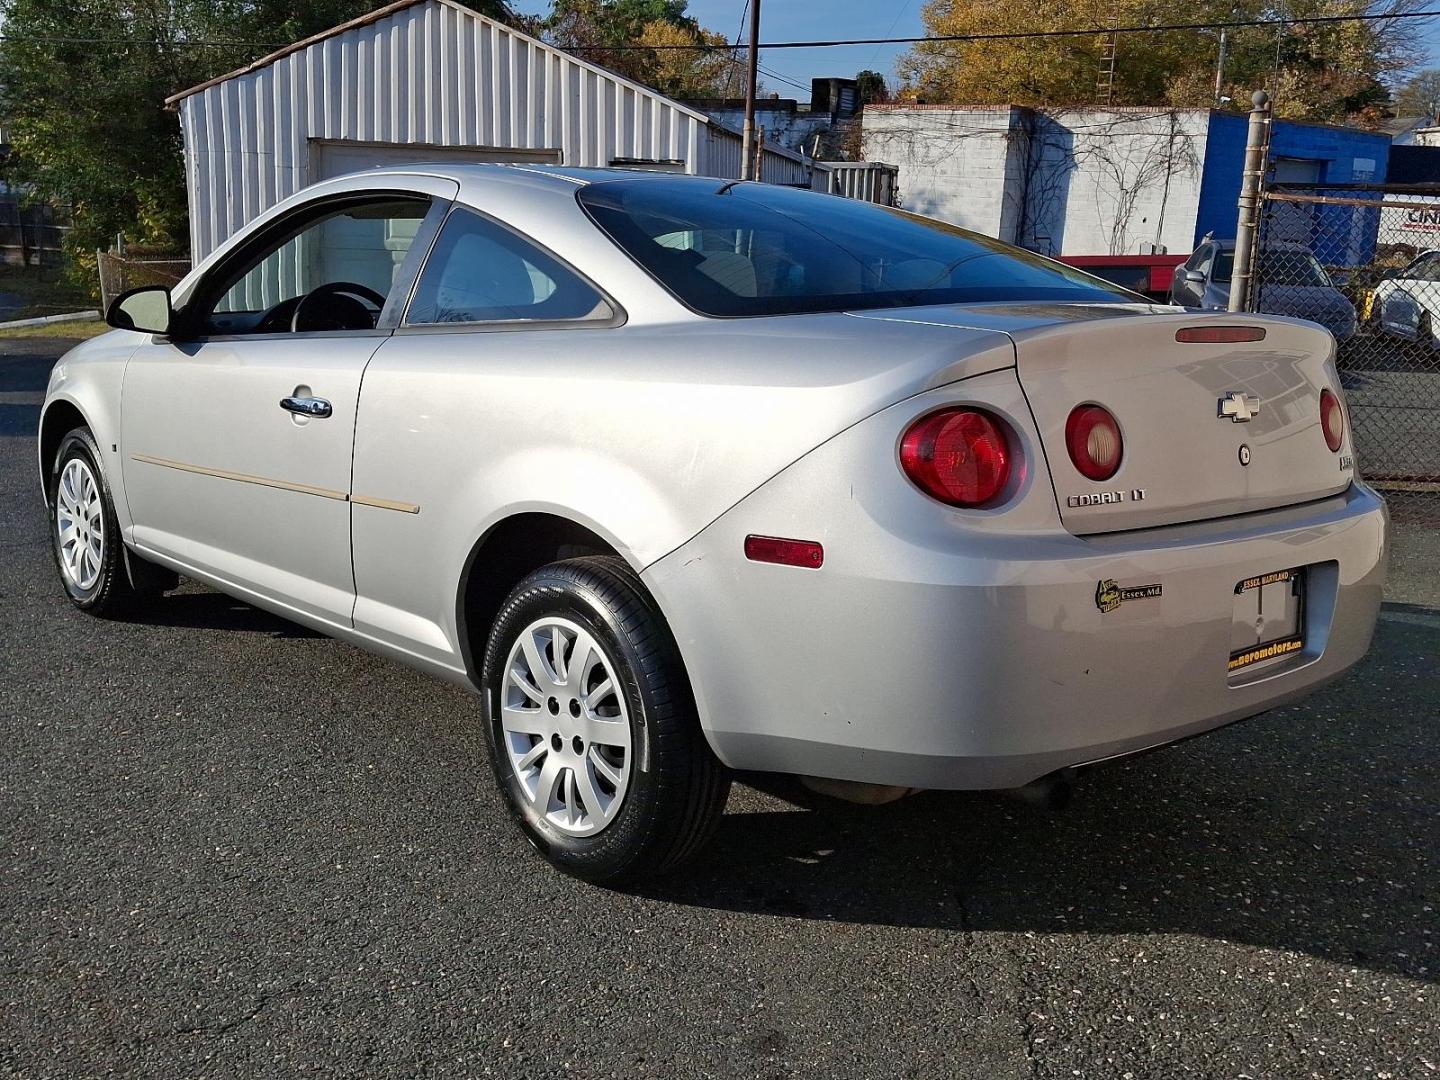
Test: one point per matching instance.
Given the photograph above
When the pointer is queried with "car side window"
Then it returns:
(1203, 259)
(332, 270)
(481, 272)
(1426, 269)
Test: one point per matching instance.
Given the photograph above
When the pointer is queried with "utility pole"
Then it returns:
(747, 141)
(1220, 66)
(1251, 180)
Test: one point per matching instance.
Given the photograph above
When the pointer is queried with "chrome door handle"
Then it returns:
(307, 406)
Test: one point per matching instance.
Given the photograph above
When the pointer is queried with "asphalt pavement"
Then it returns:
(232, 848)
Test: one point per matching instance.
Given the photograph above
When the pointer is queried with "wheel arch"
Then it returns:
(508, 550)
(61, 416)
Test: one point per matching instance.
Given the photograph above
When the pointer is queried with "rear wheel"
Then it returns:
(592, 727)
(98, 574)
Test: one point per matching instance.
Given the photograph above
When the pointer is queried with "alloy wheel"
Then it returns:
(79, 525)
(566, 727)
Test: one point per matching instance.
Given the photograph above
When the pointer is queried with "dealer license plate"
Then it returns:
(1268, 623)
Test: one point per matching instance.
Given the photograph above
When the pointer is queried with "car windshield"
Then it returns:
(1283, 267)
(729, 249)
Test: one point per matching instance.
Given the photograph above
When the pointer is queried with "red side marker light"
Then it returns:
(777, 549)
(1219, 335)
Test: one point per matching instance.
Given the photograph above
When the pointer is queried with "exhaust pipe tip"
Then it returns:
(1053, 791)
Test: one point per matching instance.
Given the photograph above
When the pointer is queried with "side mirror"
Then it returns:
(1196, 277)
(1391, 274)
(146, 309)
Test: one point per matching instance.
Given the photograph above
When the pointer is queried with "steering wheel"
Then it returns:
(333, 306)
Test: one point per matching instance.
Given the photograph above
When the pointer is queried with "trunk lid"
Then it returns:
(1179, 451)
(1182, 454)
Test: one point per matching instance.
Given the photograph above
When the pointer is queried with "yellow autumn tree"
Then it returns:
(1318, 71)
(688, 72)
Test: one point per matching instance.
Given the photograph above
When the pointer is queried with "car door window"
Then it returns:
(481, 272)
(1203, 259)
(1426, 268)
(331, 269)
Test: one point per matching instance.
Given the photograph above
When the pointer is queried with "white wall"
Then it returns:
(793, 129)
(1071, 182)
(955, 164)
(1111, 182)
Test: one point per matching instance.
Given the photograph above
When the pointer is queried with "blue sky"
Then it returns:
(792, 20)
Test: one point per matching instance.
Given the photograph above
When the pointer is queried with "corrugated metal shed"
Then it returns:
(427, 78)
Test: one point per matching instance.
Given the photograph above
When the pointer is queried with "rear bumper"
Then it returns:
(984, 661)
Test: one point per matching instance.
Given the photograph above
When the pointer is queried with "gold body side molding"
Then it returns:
(283, 485)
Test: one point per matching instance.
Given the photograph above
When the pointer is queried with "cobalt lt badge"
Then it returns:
(1244, 454)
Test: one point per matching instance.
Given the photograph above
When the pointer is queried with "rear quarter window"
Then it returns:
(481, 272)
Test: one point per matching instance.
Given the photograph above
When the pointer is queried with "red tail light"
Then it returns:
(1332, 420)
(959, 456)
(1093, 438)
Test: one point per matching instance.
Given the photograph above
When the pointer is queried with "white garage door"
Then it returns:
(337, 157)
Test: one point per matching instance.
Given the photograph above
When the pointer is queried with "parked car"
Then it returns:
(1148, 275)
(1294, 283)
(1406, 303)
(683, 476)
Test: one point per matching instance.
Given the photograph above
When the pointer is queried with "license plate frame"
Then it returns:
(1279, 632)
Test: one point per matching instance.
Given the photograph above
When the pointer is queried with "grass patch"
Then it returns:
(79, 330)
(39, 292)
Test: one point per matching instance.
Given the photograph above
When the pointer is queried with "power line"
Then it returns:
(1162, 28)
(1090, 32)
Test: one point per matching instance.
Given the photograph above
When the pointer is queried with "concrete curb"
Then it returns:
(43, 320)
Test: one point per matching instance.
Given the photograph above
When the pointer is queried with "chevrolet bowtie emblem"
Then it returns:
(1240, 407)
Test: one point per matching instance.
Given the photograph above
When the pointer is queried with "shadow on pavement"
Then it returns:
(202, 609)
(1311, 830)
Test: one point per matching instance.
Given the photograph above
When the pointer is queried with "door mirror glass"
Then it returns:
(1196, 277)
(146, 309)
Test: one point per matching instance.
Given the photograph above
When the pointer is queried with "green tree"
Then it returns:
(82, 91)
(870, 86)
(605, 32)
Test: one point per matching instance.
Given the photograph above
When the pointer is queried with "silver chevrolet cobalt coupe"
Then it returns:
(684, 475)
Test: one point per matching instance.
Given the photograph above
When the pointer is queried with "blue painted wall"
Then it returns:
(1341, 155)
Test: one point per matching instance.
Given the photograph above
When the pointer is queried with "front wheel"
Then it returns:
(98, 574)
(592, 727)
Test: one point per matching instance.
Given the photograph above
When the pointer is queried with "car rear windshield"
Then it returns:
(730, 249)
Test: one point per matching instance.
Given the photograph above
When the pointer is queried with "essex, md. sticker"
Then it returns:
(1109, 596)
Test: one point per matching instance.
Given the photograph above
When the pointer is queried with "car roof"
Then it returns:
(1274, 245)
(542, 176)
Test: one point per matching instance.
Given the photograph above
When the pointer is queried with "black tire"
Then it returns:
(113, 592)
(677, 788)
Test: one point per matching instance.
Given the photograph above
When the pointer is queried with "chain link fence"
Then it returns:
(120, 273)
(1365, 262)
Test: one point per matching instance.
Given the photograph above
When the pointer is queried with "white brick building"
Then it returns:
(1068, 182)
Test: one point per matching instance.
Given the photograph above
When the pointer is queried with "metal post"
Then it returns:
(1220, 67)
(1251, 181)
(747, 138)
